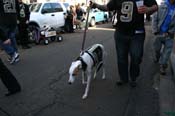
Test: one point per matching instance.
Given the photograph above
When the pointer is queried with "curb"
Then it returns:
(167, 94)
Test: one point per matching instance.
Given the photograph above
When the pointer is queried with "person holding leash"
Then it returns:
(163, 26)
(129, 35)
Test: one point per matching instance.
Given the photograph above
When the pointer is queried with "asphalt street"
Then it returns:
(43, 75)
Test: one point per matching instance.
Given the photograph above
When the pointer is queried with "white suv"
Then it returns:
(47, 14)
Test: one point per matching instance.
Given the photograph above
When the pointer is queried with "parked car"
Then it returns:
(96, 15)
(47, 13)
(66, 5)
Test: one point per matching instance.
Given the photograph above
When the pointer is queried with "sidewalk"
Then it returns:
(167, 93)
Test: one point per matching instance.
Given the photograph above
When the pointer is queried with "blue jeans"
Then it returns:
(129, 45)
(9, 48)
(163, 47)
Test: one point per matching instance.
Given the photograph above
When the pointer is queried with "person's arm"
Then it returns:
(17, 9)
(7, 41)
(4, 38)
(148, 10)
(150, 6)
(110, 6)
(155, 23)
(152, 9)
(27, 12)
(101, 7)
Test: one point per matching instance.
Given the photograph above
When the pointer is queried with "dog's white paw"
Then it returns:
(95, 75)
(84, 96)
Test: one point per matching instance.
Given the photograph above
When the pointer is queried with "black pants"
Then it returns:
(23, 34)
(129, 46)
(8, 78)
(69, 25)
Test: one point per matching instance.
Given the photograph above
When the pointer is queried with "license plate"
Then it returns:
(50, 33)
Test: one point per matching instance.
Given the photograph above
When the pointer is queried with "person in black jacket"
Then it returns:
(8, 26)
(8, 23)
(24, 15)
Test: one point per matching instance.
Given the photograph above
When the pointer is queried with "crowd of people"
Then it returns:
(76, 16)
(129, 35)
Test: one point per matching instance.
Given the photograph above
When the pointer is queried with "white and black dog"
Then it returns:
(92, 58)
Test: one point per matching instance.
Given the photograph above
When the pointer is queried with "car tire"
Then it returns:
(46, 42)
(33, 33)
(52, 38)
(37, 42)
(92, 22)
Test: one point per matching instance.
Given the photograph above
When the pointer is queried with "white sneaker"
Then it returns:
(9, 58)
(15, 58)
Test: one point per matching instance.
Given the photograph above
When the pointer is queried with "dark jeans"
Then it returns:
(9, 48)
(165, 42)
(129, 45)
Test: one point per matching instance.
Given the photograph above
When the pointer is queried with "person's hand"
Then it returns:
(143, 9)
(165, 34)
(92, 4)
(8, 41)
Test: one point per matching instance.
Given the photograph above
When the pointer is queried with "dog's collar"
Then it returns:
(84, 65)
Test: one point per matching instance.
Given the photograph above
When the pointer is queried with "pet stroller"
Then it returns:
(46, 34)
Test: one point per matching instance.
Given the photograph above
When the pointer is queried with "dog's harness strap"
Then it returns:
(84, 65)
(91, 57)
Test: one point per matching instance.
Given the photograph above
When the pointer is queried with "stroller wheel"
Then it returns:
(59, 38)
(52, 38)
(46, 42)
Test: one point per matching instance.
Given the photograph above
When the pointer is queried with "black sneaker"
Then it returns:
(133, 83)
(119, 83)
(156, 58)
(162, 70)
